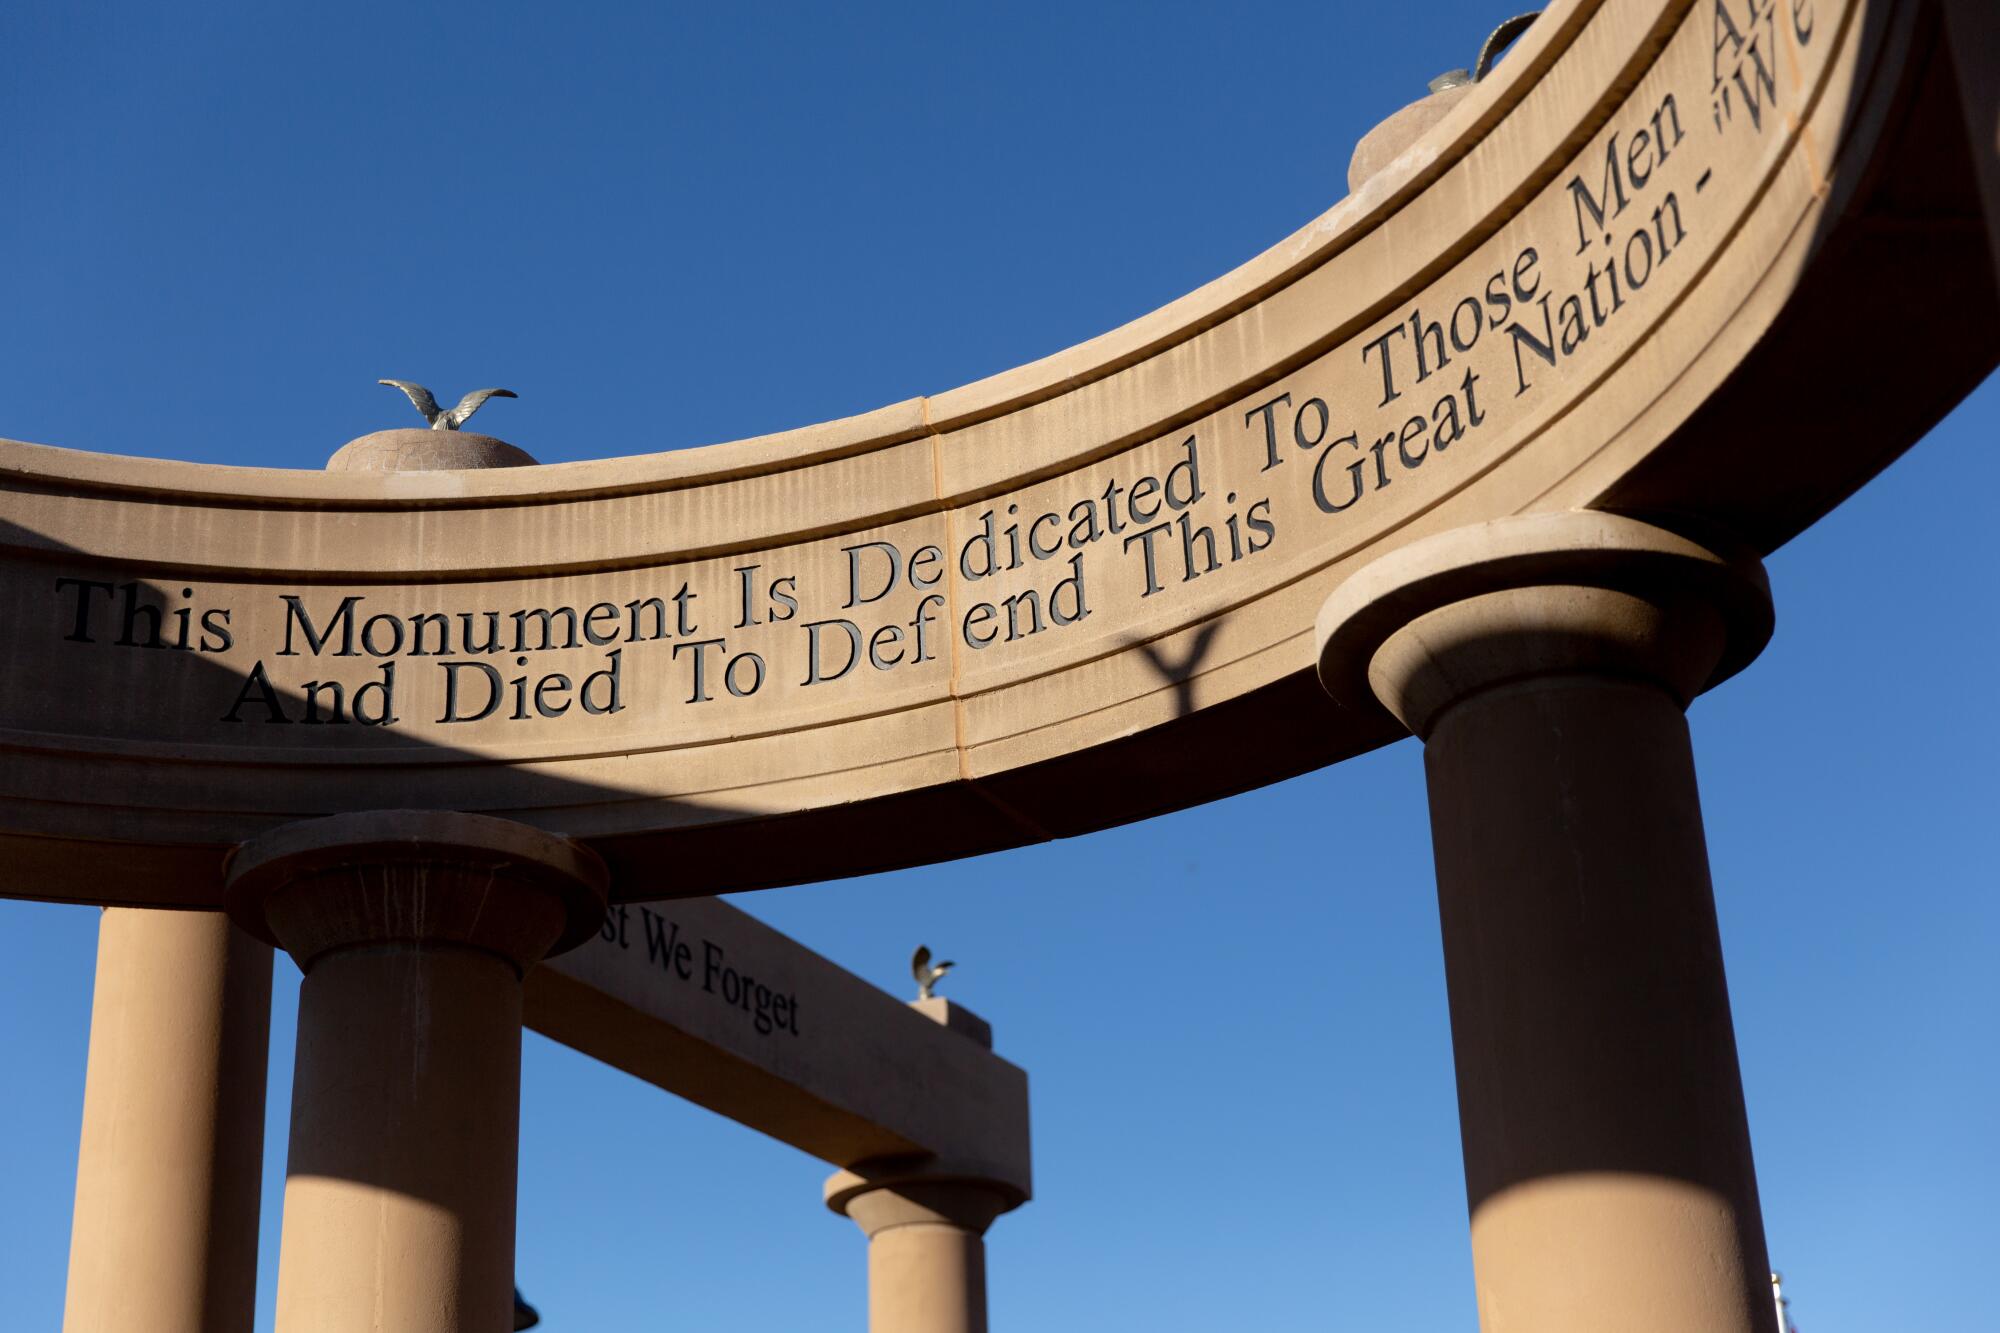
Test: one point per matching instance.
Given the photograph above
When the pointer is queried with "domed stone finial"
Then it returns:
(442, 446)
(1386, 142)
(414, 449)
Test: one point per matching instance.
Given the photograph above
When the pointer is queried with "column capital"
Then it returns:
(416, 876)
(1539, 595)
(893, 1192)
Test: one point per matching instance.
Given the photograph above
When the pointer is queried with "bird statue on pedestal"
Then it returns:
(927, 976)
(421, 399)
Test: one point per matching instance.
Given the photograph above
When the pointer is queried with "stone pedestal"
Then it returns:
(414, 930)
(164, 1236)
(1545, 661)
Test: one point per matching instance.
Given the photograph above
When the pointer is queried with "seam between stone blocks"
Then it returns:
(951, 585)
(959, 750)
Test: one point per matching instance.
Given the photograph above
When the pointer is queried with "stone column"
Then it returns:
(414, 930)
(926, 1221)
(1546, 661)
(164, 1235)
(926, 1228)
(1972, 37)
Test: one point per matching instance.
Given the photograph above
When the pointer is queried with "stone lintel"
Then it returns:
(710, 1004)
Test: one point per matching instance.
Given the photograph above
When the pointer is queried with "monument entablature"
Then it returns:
(1657, 263)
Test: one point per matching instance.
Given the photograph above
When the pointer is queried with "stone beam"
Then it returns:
(712, 1005)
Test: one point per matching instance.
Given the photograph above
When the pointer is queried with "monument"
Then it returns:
(1488, 453)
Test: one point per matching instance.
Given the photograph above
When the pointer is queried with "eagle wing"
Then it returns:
(419, 397)
(1497, 43)
(469, 404)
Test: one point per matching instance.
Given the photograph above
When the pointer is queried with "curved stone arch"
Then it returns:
(1120, 675)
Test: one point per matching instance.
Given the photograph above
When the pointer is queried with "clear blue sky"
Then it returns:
(667, 226)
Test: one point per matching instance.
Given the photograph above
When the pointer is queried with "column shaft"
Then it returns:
(414, 930)
(1607, 1153)
(399, 1197)
(1545, 660)
(927, 1278)
(164, 1236)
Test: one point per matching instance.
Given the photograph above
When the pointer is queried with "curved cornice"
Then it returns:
(1111, 674)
